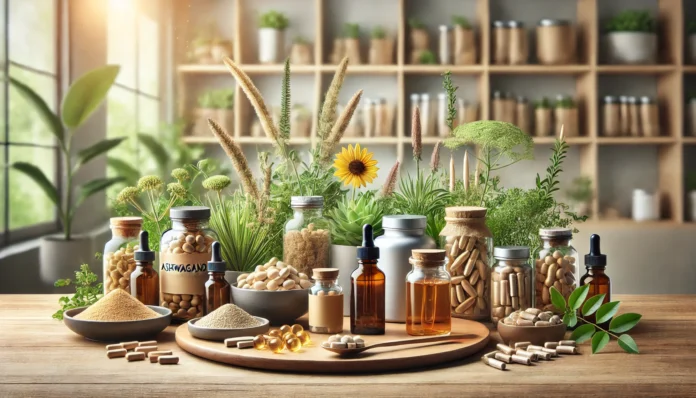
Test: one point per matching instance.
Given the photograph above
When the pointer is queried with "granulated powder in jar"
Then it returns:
(229, 316)
(117, 306)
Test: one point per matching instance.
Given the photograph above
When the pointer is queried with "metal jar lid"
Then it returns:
(498, 94)
(522, 99)
(307, 202)
(190, 212)
(610, 99)
(632, 100)
(646, 100)
(415, 97)
(425, 97)
(511, 252)
(499, 24)
(556, 232)
(623, 99)
(442, 96)
(554, 22)
(444, 28)
(515, 24)
(404, 222)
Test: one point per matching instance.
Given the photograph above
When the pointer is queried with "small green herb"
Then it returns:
(415, 23)
(427, 57)
(301, 40)
(565, 103)
(217, 99)
(379, 33)
(274, 19)
(451, 99)
(461, 21)
(577, 308)
(351, 30)
(580, 190)
(85, 292)
(632, 21)
(543, 103)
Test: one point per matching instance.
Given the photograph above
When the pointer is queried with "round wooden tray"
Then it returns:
(314, 359)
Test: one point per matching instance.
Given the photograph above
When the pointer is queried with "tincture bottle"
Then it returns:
(367, 293)
(595, 264)
(144, 280)
(217, 289)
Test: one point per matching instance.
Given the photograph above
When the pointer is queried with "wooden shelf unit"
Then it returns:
(669, 75)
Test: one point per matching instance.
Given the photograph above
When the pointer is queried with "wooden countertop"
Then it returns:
(41, 357)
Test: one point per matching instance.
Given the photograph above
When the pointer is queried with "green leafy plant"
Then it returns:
(566, 103)
(351, 30)
(217, 99)
(348, 218)
(543, 103)
(461, 21)
(580, 190)
(301, 40)
(691, 27)
(83, 97)
(427, 57)
(451, 91)
(415, 23)
(274, 20)
(87, 291)
(379, 33)
(424, 195)
(632, 21)
(579, 307)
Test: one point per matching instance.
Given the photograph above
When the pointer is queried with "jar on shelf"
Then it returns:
(509, 107)
(119, 263)
(442, 128)
(566, 116)
(426, 116)
(326, 302)
(498, 106)
(501, 43)
(556, 42)
(307, 239)
(692, 117)
(428, 306)
(555, 266)
(612, 117)
(522, 118)
(511, 286)
(519, 48)
(543, 118)
(368, 115)
(625, 114)
(468, 243)
(634, 117)
(184, 254)
(466, 112)
(445, 45)
(649, 117)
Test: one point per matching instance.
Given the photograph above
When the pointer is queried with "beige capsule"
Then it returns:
(503, 357)
(272, 285)
(542, 323)
(190, 239)
(498, 312)
(470, 290)
(524, 322)
(462, 242)
(459, 261)
(471, 262)
(523, 344)
(550, 345)
(482, 268)
(545, 316)
(481, 303)
(508, 310)
(569, 343)
(460, 293)
(521, 360)
(116, 353)
(177, 250)
(563, 349)
(468, 303)
(289, 284)
(527, 354)
(114, 346)
(188, 248)
(135, 356)
(200, 240)
(187, 297)
(260, 276)
(202, 248)
(480, 288)
(494, 363)
(457, 280)
(474, 277)
(170, 359)
(196, 300)
(551, 275)
(154, 356)
(505, 292)
(505, 349)
(259, 285)
(512, 282)
(454, 301)
(495, 293)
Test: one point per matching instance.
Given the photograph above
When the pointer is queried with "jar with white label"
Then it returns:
(184, 254)
(325, 302)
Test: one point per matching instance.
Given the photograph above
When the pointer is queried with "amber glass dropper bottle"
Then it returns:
(367, 289)
(217, 289)
(144, 280)
(595, 264)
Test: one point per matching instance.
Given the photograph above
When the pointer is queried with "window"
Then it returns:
(29, 43)
(133, 104)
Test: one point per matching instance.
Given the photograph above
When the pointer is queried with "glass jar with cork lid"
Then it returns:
(119, 263)
(326, 302)
(184, 254)
(307, 239)
(555, 266)
(428, 305)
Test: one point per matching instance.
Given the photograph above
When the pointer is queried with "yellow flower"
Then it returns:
(355, 166)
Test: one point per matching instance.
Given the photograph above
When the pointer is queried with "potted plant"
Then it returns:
(464, 41)
(351, 33)
(542, 118)
(419, 39)
(271, 39)
(201, 52)
(220, 48)
(58, 254)
(691, 41)
(381, 47)
(300, 121)
(631, 38)
(427, 57)
(217, 105)
(301, 52)
(580, 194)
(566, 116)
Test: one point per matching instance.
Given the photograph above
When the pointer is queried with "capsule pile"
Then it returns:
(525, 353)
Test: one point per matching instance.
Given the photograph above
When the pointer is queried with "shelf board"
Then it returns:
(243, 140)
(569, 140)
(440, 69)
(428, 140)
(629, 223)
(636, 69)
(363, 69)
(635, 140)
(370, 140)
(539, 69)
(251, 69)
(689, 140)
(689, 68)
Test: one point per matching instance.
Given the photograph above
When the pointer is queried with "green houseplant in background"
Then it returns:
(58, 254)
(381, 47)
(631, 38)
(580, 194)
(351, 42)
(217, 105)
(691, 41)
(272, 27)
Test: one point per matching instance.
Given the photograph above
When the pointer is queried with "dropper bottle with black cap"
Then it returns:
(144, 279)
(367, 285)
(595, 264)
(217, 289)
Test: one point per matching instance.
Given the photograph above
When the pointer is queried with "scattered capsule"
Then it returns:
(296, 328)
(304, 337)
(276, 345)
(293, 344)
(260, 342)
(285, 329)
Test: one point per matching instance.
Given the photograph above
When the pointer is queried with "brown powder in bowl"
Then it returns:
(117, 306)
(229, 316)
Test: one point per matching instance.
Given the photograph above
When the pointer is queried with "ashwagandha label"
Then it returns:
(169, 267)
(183, 273)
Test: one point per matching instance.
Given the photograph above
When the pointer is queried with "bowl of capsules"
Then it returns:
(531, 325)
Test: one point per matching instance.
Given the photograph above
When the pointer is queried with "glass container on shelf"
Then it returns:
(217, 289)
(144, 280)
(307, 239)
(428, 306)
(326, 302)
(519, 48)
(555, 42)
(468, 243)
(511, 281)
(119, 263)
(555, 266)
(184, 253)
(612, 117)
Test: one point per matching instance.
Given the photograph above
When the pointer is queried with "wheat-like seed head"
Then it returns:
(239, 161)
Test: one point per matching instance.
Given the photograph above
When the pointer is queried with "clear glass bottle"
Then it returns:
(217, 289)
(367, 290)
(468, 243)
(596, 264)
(511, 281)
(307, 239)
(118, 252)
(326, 302)
(555, 266)
(428, 306)
(184, 253)
(144, 280)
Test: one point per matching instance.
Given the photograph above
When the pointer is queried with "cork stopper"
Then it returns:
(325, 273)
(466, 221)
(428, 258)
(126, 222)
(465, 212)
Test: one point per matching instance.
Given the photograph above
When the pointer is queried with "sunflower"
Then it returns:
(355, 166)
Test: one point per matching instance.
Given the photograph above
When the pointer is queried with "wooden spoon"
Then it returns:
(418, 340)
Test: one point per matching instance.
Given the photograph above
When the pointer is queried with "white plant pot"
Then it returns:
(632, 47)
(59, 259)
(645, 206)
(271, 44)
(345, 259)
(692, 205)
(691, 42)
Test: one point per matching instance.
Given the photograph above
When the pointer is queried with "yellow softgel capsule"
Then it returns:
(276, 345)
(288, 335)
(294, 344)
(304, 337)
(260, 342)
(296, 328)
(285, 329)
(276, 333)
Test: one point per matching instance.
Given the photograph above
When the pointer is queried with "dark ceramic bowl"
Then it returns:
(278, 307)
(537, 335)
(118, 331)
(222, 334)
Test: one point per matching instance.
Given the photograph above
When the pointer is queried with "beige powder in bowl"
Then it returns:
(229, 316)
(117, 306)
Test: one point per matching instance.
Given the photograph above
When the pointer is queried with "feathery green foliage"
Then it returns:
(462, 21)
(379, 33)
(284, 123)
(427, 57)
(415, 23)
(451, 91)
(87, 291)
(348, 218)
(423, 195)
(543, 103)
(351, 30)
(274, 20)
(632, 21)
(549, 185)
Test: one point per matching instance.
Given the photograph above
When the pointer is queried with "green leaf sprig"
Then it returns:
(86, 291)
(451, 91)
(603, 313)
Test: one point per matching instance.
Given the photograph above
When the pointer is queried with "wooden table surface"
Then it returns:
(41, 357)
